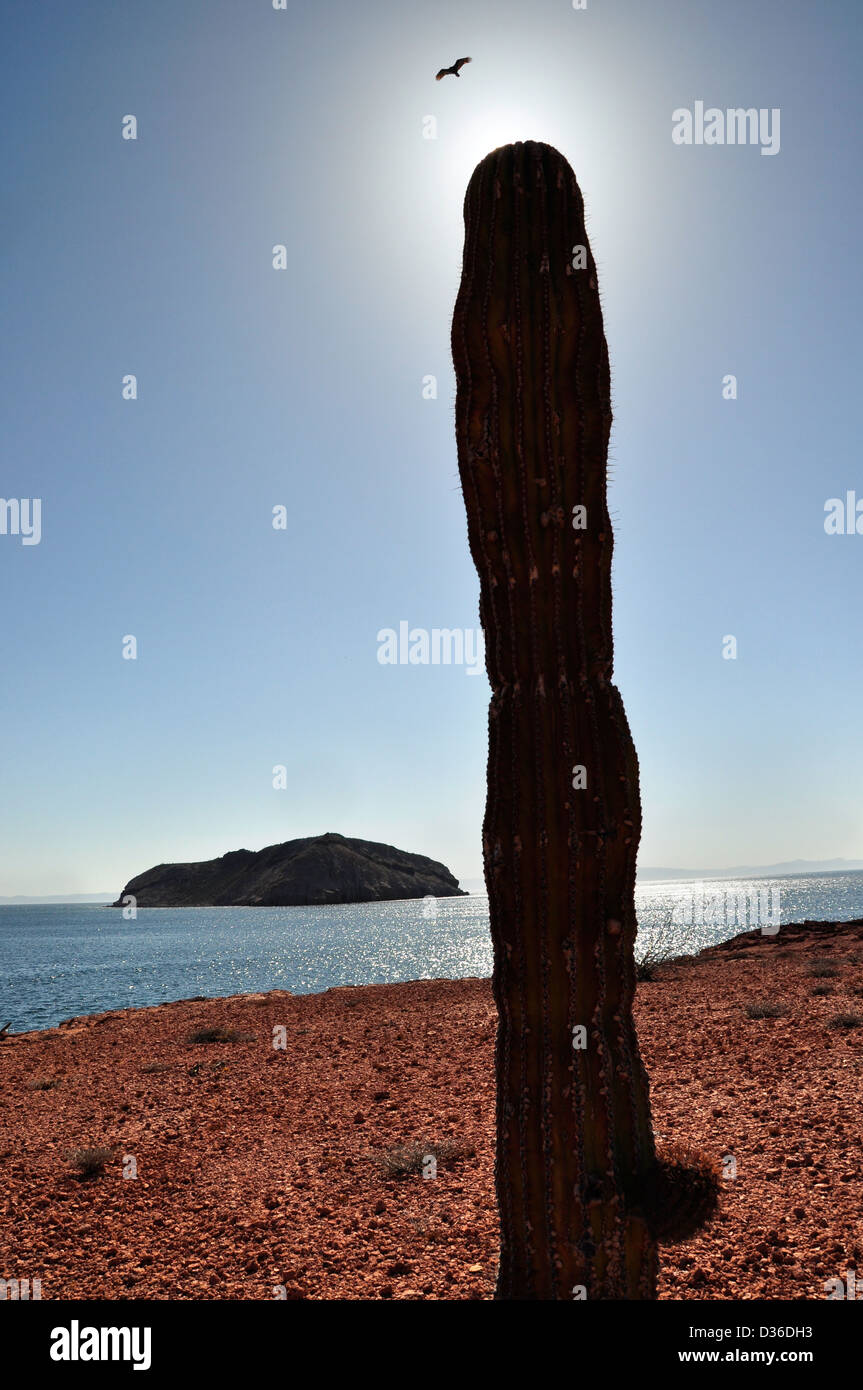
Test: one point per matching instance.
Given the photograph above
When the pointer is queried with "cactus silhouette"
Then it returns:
(575, 1146)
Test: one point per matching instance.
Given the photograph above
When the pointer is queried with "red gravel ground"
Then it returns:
(255, 1166)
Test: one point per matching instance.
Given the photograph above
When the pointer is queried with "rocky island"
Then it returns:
(299, 873)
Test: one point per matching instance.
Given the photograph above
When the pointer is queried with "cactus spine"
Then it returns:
(574, 1138)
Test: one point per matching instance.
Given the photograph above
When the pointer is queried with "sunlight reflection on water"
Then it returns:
(56, 961)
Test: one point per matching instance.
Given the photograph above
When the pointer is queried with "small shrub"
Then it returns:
(405, 1159)
(660, 949)
(824, 972)
(648, 966)
(766, 1010)
(216, 1035)
(43, 1083)
(821, 991)
(845, 1021)
(90, 1162)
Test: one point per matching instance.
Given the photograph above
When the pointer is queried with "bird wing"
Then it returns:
(460, 62)
(443, 72)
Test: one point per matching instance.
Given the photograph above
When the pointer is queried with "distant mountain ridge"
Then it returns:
(310, 872)
(60, 899)
(477, 885)
(789, 867)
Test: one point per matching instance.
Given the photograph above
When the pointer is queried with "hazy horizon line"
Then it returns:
(788, 868)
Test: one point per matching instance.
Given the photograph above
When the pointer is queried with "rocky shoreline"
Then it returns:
(266, 1172)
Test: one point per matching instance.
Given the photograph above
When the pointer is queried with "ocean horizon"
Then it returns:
(58, 960)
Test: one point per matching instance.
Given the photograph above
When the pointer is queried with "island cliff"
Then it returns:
(299, 873)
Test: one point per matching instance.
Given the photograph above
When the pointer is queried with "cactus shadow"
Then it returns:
(680, 1195)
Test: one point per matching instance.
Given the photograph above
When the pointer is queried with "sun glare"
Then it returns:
(487, 130)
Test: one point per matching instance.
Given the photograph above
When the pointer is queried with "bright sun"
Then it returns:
(487, 130)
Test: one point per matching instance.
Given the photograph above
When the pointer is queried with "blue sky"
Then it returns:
(303, 387)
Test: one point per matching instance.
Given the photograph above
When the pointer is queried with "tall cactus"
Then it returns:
(575, 1148)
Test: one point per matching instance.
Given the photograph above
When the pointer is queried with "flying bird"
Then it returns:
(454, 70)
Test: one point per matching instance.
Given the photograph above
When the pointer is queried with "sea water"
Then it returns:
(57, 961)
